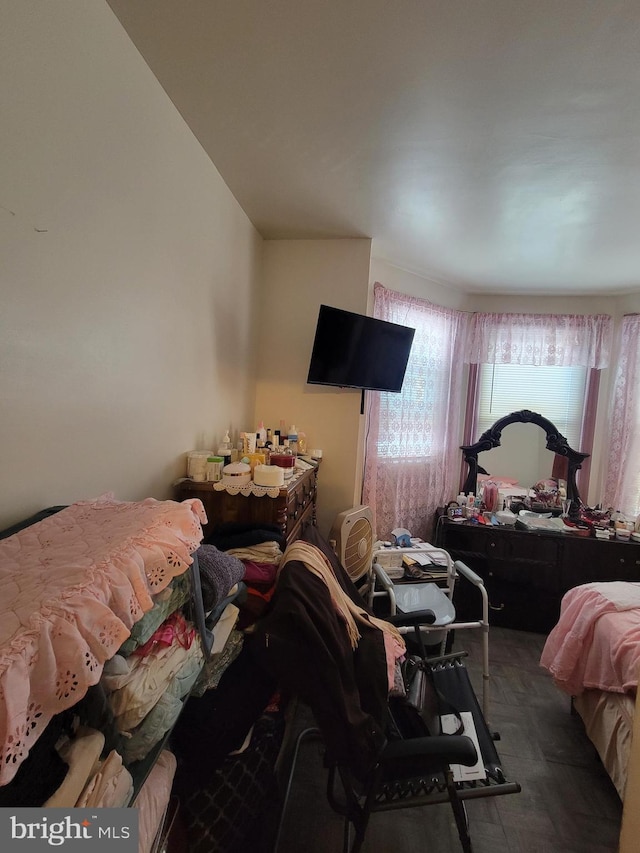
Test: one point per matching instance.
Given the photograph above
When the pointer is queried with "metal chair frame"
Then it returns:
(440, 601)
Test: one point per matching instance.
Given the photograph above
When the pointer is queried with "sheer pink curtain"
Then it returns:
(622, 481)
(563, 340)
(412, 448)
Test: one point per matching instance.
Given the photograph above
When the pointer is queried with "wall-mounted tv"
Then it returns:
(354, 351)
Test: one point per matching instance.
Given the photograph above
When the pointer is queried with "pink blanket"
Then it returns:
(71, 587)
(596, 643)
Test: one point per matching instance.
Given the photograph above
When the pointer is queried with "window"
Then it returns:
(411, 429)
(557, 393)
(566, 396)
(413, 424)
(413, 438)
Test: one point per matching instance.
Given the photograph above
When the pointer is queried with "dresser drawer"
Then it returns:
(511, 605)
(538, 574)
(300, 500)
(588, 560)
(503, 543)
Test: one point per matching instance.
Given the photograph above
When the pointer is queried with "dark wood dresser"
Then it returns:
(526, 573)
(292, 510)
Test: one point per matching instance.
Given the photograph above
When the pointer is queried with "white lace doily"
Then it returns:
(248, 489)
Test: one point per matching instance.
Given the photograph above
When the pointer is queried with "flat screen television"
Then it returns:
(354, 351)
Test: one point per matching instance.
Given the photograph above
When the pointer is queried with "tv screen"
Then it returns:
(355, 351)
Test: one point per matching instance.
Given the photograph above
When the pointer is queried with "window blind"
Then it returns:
(557, 393)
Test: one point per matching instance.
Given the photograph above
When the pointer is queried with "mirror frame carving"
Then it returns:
(556, 442)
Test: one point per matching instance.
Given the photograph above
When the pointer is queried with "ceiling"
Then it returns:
(491, 145)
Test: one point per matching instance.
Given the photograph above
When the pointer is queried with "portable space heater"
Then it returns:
(352, 539)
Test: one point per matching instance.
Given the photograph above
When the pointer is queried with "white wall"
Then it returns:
(299, 276)
(128, 271)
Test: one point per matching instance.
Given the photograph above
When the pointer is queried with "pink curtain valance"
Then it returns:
(561, 340)
(404, 309)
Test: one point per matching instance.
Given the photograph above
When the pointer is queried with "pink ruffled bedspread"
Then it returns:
(71, 587)
(596, 643)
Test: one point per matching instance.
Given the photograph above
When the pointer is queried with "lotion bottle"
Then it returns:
(293, 440)
(224, 449)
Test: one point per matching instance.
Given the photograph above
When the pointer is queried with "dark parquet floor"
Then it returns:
(567, 803)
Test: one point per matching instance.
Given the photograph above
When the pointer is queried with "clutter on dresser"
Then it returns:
(262, 462)
(544, 507)
(283, 447)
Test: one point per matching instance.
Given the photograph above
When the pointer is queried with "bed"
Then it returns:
(593, 654)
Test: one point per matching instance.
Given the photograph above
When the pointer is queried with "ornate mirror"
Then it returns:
(556, 443)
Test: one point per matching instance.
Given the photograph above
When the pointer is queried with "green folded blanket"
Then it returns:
(165, 603)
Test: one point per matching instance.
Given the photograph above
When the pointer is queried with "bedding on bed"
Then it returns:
(608, 722)
(71, 587)
(596, 642)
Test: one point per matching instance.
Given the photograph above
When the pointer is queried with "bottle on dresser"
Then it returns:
(224, 449)
(293, 440)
